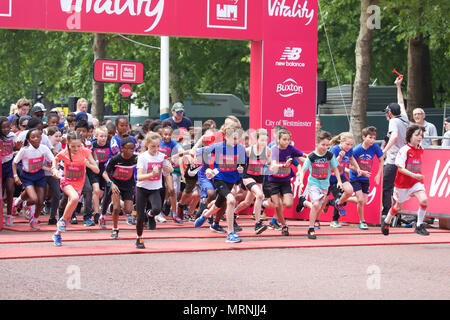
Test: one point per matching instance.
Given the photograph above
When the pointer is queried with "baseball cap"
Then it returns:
(178, 106)
(447, 119)
(394, 108)
(38, 107)
(81, 115)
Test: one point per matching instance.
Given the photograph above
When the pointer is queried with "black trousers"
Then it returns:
(143, 198)
(389, 173)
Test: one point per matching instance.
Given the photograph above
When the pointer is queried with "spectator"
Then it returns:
(398, 122)
(430, 129)
(178, 119)
(446, 142)
(82, 106)
(23, 106)
(38, 111)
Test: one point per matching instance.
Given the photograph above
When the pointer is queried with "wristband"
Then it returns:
(109, 183)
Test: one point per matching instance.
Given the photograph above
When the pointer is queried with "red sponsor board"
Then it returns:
(436, 169)
(118, 71)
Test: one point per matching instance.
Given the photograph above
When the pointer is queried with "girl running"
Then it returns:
(76, 159)
(280, 180)
(31, 175)
(258, 155)
(150, 166)
(409, 180)
(119, 176)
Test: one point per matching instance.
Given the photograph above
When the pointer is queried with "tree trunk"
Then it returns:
(419, 90)
(362, 78)
(98, 88)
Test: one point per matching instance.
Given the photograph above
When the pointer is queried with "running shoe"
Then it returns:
(73, 220)
(88, 222)
(176, 219)
(61, 225)
(130, 220)
(317, 224)
(102, 222)
(341, 209)
(274, 225)
(27, 212)
(199, 222)
(9, 221)
(363, 225)
(160, 218)
(34, 224)
(421, 230)
(385, 228)
(260, 227)
(115, 234)
(140, 243)
(335, 224)
(311, 234)
(217, 228)
(233, 238)
(285, 231)
(57, 240)
(96, 217)
(52, 221)
(300, 204)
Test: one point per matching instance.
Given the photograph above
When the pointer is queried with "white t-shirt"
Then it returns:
(45, 140)
(33, 159)
(146, 162)
(398, 124)
(7, 147)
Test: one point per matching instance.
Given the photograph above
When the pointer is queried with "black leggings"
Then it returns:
(143, 198)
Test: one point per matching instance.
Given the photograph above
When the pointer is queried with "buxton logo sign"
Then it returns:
(291, 9)
(289, 88)
(149, 8)
(227, 14)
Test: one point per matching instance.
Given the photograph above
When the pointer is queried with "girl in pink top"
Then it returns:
(75, 158)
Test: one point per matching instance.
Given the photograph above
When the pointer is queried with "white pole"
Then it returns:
(164, 103)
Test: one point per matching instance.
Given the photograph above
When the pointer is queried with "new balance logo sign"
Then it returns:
(291, 54)
(290, 57)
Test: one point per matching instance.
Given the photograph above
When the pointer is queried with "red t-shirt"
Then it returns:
(409, 158)
(75, 170)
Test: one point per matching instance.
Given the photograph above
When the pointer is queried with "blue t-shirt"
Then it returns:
(343, 164)
(364, 158)
(320, 166)
(227, 159)
(185, 123)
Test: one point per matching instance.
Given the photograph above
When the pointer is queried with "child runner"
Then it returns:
(31, 176)
(76, 159)
(119, 176)
(342, 150)
(409, 180)
(102, 153)
(364, 154)
(320, 163)
(55, 137)
(228, 165)
(8, 143)
(122, 129)
(258, 155)
(150, 166)
(280, 180)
